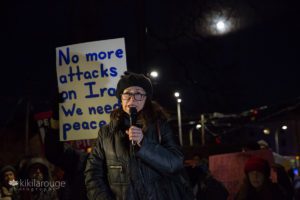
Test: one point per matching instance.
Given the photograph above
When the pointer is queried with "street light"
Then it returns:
(277, 131)
(266, 131)
(177, 94)
(197, 127)
(284, 127)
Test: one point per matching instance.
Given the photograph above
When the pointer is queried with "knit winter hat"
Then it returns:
(133, 79)
(7, 168)
(255, 163)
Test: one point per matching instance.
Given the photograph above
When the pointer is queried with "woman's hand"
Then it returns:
(135, 134)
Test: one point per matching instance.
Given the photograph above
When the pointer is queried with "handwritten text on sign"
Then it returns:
(87, 76)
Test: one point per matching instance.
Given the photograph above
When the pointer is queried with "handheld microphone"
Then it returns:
(132, 118)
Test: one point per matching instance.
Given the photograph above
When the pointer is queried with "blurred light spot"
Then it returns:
(221, 26)
(176, 94)
(266, 131)
(89, 150)
(154, 74)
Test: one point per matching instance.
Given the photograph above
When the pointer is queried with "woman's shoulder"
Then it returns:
(104, 130)
(163, 123)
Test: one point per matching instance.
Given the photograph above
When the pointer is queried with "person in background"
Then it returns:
(278, 159)
(21, 166)
(205, 186)
(283, 179)
(296, 186)
(257, 184)
(129, 161)
(69, 159)
(37, 173)
(9, 188)
(263, 144)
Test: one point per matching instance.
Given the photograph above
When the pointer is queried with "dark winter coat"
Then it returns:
(115, 172)
(71, 161)
(269, 191)
(38, 193)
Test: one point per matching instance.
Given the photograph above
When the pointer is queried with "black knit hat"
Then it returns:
(133, 79)
(7, 168)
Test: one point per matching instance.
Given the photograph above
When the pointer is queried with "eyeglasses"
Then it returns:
(136, 96)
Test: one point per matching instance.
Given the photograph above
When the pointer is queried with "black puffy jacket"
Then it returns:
(113, 171)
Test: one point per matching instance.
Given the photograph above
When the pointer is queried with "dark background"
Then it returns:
(253, 65)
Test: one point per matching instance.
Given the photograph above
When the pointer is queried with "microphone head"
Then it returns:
(132, 110)
(133, 115)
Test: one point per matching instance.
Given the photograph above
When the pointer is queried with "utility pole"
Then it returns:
(179, 121)
(277, 140)
(202, 130)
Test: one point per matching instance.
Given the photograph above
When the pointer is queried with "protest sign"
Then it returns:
(229, 168)
(87, 75)
(42, 119)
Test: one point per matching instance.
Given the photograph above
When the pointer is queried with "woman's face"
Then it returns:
(9, 176)
(133, 96)
(256, 179)
(35, 172)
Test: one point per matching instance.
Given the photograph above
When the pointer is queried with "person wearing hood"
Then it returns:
(205, 185)
(38, 178)
(9, 187)
(129, 159)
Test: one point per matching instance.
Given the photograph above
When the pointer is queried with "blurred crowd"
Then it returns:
(60, 175)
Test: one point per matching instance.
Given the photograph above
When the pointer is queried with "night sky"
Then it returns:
(255, 64)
